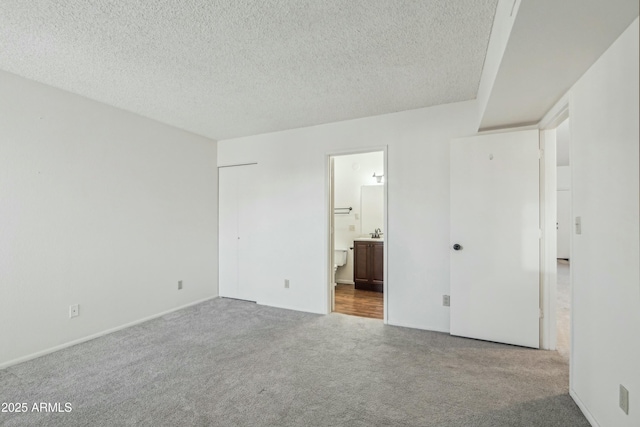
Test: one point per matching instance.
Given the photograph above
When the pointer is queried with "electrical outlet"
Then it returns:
(286, 283)
(352, 228)
(179, 284)
(578, 225)
(446, 300)
(74, 310)
(624, 399)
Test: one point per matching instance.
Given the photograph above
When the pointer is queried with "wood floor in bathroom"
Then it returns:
(356, 302)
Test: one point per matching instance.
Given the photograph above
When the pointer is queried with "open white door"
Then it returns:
(495, 270)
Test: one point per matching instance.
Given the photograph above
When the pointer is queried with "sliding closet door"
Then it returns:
(236, 222)
(228, 232)
(248, 221)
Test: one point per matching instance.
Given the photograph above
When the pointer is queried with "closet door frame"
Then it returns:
(235, 211)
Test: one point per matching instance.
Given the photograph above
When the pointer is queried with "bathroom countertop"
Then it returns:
(368, 239)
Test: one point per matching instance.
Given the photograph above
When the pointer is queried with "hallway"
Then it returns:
(563, 310)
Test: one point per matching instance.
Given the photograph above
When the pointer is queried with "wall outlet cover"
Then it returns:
(179, 284)
(624, 399)
(446, 300)
(286, 283)
(74, 310)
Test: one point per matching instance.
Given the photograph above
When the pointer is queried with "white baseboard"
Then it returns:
(97, 335)
(583, 408)
(345, 282)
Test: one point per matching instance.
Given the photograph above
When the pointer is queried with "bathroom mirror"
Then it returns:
(371, 208)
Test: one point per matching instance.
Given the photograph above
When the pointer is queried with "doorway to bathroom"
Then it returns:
(357, 235)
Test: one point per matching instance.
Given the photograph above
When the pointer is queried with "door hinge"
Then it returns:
(539, 233)
(541, 313)
(540, 153)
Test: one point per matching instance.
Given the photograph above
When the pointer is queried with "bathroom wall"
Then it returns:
(351, 172)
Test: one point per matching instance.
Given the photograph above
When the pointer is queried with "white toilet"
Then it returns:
(339, 259)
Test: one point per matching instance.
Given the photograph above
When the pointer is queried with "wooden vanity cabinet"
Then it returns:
(368, 261)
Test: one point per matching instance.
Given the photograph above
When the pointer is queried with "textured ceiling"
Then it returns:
(238, 67)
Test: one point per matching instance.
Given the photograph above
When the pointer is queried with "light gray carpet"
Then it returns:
(233, 363)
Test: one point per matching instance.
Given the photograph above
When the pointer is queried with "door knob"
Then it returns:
(457, 247)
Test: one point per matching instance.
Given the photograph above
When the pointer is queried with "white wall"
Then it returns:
(98, 207)
(351, 172)
(294, 192)
(563, 174)
(563, 143)
(563, 185)
(605, 258)
(563, 217)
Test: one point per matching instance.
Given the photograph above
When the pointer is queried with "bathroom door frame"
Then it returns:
(329, 261)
